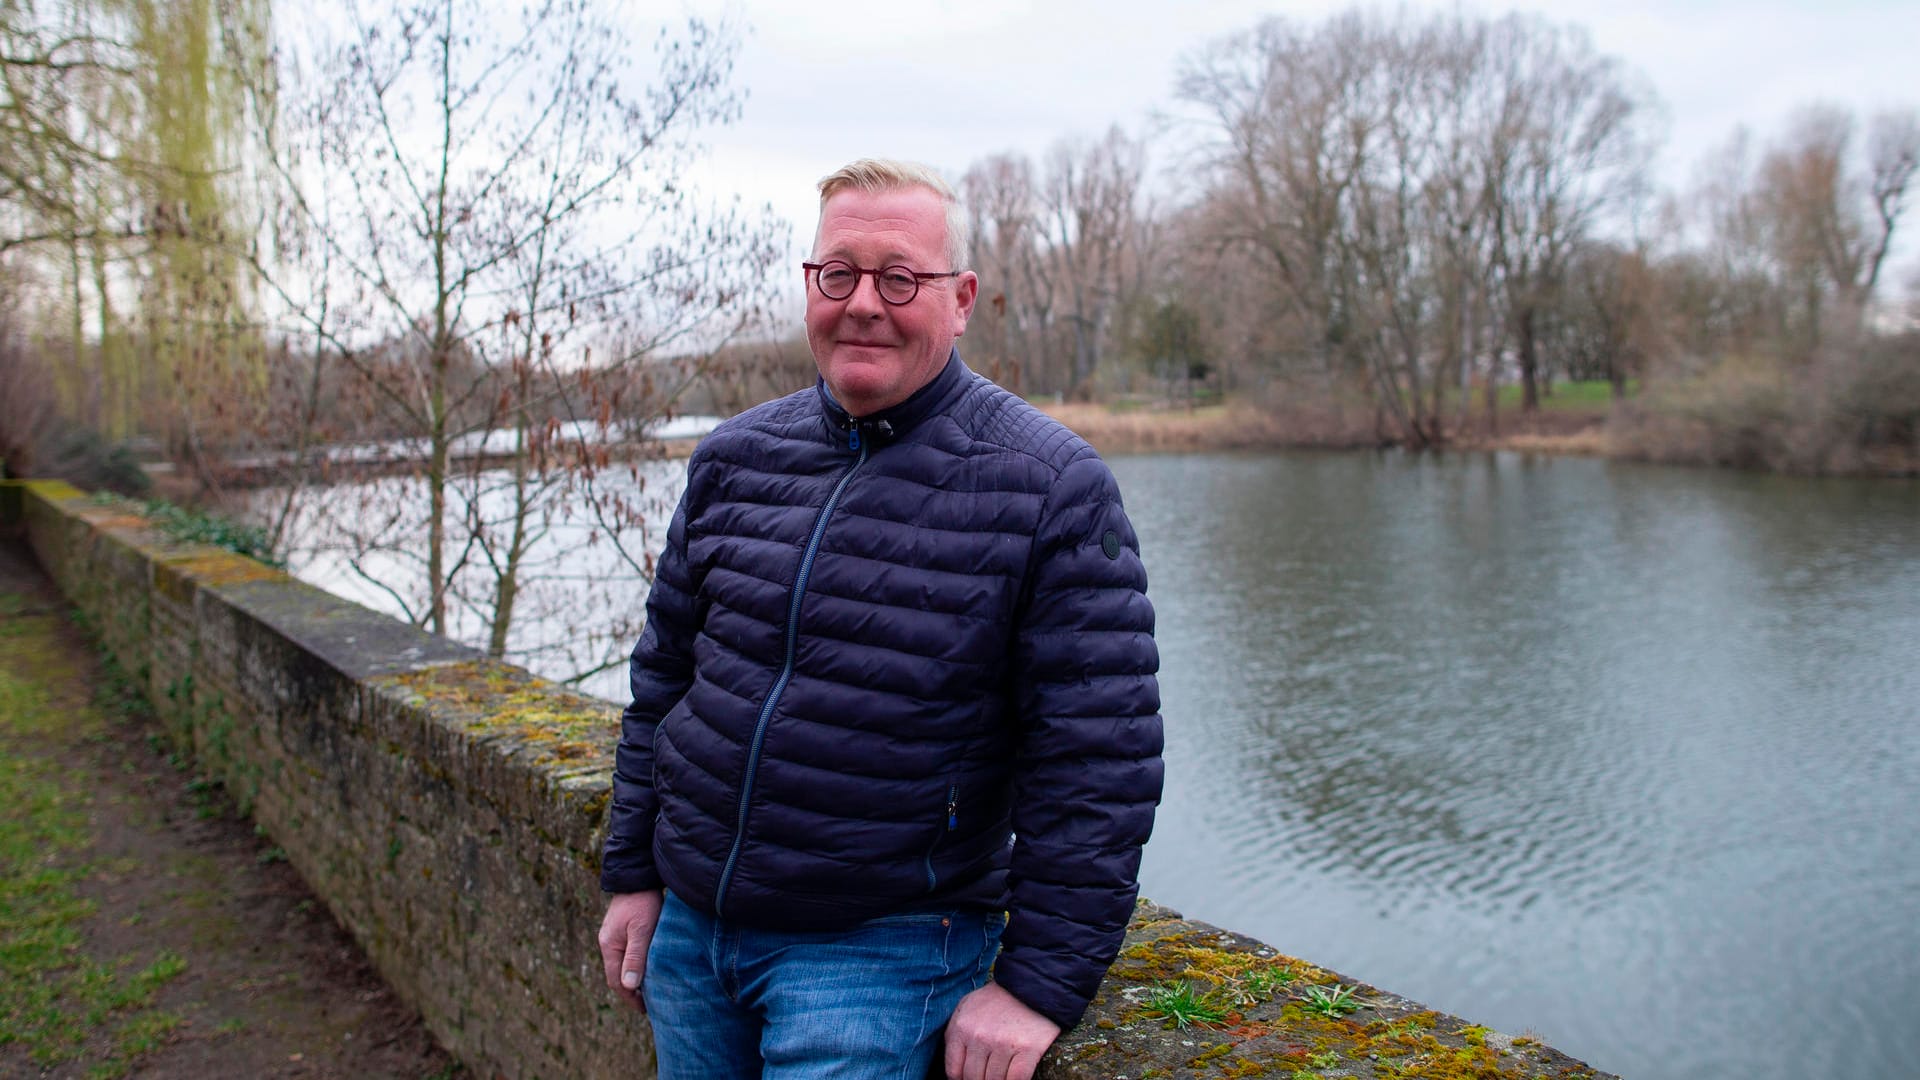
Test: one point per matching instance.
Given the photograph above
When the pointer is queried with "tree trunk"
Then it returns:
(506, 586)
(1529, 363)
(1490, 394)
(437, 492)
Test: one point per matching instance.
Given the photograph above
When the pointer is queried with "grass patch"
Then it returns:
(1181, 1006)
(1333, 1003)
(57, 1003)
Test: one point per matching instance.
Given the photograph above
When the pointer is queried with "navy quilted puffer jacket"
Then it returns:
(876, 652)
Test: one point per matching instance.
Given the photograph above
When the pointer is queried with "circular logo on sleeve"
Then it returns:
(1110, 544)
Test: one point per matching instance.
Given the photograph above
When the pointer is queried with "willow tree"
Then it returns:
(123, 133)
(196, 333)
(63, 84)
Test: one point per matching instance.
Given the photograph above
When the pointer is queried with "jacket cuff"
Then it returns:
(1051, 999)
(630, 880)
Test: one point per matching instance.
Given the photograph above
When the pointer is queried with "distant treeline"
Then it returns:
(1412, 210)
(225, 242)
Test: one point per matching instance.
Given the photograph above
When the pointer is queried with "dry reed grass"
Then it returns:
(1237, 426)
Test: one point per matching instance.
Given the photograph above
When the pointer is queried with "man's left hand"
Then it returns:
(992, 1036)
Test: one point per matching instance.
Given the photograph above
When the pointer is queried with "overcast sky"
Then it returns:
(948, 84)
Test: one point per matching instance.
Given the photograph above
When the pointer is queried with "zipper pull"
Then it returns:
(953, 808)
(853, 437)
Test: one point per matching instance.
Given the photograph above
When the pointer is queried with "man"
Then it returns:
(897, 677)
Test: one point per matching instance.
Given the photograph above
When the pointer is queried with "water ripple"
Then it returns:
(1571, 747)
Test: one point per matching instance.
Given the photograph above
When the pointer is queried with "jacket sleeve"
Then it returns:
(1088, 773)
(660, 671)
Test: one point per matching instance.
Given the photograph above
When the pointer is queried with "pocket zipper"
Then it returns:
(953, 822)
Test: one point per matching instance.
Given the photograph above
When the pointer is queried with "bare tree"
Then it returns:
(1831, 221)
(1410, 189)
(488, 225)
(1608, 324)
(1790, 238)
(1720, 286)
(1893, 148)
(1565, 151)
(1008, 338)
(1285, 147)
(1089, 196)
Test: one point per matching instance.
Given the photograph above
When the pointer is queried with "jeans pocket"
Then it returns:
(992, 925)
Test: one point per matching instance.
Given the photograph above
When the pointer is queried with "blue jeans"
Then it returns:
(733, 1002)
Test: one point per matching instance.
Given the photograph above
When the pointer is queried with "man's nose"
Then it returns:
(865, 301)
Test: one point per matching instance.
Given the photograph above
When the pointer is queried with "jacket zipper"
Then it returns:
(780, 683)
(953, 822)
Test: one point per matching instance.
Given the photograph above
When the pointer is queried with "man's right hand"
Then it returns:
(625, 934)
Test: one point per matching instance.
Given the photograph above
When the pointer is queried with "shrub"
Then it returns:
(1851, 407)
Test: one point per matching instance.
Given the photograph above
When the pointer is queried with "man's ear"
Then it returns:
(966, 289)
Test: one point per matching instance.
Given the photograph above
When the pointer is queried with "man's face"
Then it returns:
(873, 354)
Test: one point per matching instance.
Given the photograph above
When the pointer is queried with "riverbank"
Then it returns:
(1241, 426)
(144, 927)
(1579, 428)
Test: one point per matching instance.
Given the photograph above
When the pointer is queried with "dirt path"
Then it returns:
(144, 930)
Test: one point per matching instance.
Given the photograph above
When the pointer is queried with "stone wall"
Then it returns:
(445, 807)
(448, 809)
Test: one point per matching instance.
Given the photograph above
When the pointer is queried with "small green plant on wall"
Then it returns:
(1181, 1006)
(1334, 1003)
(191, 526)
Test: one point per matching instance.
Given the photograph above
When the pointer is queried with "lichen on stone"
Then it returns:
(501, 702)
(1270, 1022)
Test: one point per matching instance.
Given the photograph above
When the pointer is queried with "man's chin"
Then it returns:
(855, 387)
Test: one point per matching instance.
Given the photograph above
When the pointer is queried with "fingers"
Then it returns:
(613, 956)
(981, 1063)
(994, 1036)
(633, 961)
(625, 935)
(956, 1059)
(612, 950)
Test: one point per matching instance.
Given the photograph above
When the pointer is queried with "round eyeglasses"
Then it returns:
(896, 284)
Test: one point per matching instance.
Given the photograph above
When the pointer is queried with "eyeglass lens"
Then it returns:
(897, 284)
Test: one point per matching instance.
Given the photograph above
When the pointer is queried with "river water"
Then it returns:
(1626, 757)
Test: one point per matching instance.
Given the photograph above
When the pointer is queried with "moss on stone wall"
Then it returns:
(560, 729)
(1188, 999)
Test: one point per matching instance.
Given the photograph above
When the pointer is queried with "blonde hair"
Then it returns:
(877, 175)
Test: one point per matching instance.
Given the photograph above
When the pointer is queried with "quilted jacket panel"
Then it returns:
(877, 652)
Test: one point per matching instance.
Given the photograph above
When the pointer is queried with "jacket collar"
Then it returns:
(889, 424)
